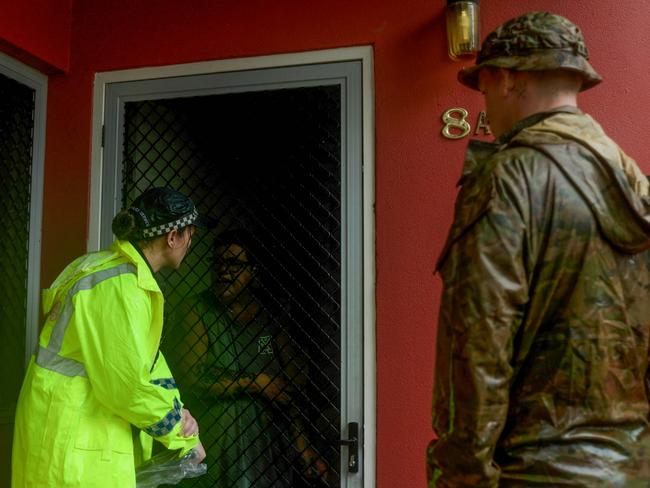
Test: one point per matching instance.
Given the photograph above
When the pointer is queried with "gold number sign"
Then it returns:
(456, 125)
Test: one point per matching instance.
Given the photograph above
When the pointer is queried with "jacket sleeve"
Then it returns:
(113, 324)
(485, 291)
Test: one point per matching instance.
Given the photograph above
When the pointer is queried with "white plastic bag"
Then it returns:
(168, 469)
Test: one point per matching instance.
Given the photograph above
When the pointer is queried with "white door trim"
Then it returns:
(37, 81)
(359, 53)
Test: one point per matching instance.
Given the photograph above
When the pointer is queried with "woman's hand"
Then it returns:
(189, 425)
(200, 452)
(315, 466)
(272, 388)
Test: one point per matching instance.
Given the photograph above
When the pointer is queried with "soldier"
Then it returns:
(543, 335)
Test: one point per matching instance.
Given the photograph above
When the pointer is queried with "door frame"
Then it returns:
(364, 54)
(37, 81)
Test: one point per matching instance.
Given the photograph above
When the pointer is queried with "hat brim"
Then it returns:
(535, 62)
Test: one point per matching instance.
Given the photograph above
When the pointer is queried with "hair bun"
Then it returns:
(124, 226)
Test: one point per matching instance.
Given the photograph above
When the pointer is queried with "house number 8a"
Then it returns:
(457, 127)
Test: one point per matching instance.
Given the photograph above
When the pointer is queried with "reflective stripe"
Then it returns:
(49, 357)
(167, 383)
(52, 361)
(166, 425)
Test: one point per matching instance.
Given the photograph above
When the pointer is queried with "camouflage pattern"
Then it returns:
(544, 327)
(533, 42)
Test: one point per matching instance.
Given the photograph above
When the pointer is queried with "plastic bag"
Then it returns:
(167, 468)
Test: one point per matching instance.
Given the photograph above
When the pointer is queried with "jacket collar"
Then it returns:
(146, 279)
(478, 150)
(532, 120)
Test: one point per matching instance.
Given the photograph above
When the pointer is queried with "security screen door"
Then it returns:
(22, 102)
(274, 375)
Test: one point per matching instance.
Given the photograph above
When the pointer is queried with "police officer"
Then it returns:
(543, 334)
(97, 371)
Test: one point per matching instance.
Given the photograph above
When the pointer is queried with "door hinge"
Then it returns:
(103, 135)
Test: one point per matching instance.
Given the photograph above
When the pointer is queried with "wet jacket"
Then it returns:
(543, 334)
(97, 373)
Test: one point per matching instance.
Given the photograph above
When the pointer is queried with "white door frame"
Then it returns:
(360, 53)
(37, 81)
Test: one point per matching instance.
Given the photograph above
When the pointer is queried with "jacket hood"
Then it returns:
(608, 179)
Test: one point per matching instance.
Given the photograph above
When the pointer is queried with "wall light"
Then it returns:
(463, 32)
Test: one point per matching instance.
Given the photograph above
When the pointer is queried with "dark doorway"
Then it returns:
(265, 165)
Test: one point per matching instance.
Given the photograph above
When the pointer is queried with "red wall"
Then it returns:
(37, 32)
(416, 169)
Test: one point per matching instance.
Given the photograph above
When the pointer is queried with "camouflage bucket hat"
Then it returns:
(534, 42)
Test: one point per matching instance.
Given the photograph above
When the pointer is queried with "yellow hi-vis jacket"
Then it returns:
(97, 373)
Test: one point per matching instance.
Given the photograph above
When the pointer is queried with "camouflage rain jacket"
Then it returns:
(542, 351)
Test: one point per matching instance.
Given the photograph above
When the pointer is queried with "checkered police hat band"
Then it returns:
(162, 229)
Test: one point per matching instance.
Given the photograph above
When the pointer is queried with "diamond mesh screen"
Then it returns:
(253, 314)
(16, 133)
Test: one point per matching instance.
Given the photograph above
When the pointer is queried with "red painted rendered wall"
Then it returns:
(37, 32)
(416, 169)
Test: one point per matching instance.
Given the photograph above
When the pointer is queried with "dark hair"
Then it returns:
(125, 227)
(240, 237)
(154, 213)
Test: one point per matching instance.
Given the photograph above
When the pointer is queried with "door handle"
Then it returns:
(352, 444)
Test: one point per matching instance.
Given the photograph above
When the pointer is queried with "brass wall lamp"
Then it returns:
(463, 29)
